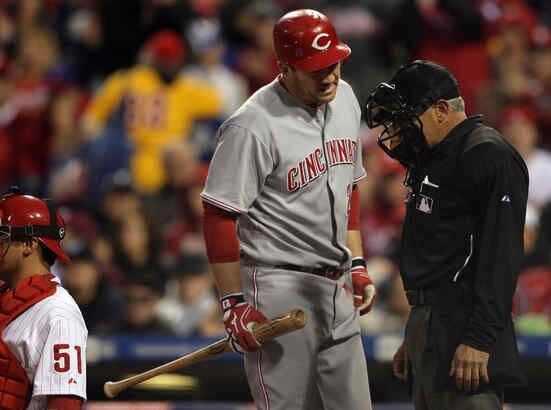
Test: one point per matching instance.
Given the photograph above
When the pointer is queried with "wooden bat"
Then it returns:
(289, 322)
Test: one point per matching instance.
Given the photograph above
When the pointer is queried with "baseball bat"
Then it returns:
(289, 322)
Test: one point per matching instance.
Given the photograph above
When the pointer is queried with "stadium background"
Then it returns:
(124, 152)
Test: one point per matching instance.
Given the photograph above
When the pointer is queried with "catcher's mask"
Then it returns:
(398, 104)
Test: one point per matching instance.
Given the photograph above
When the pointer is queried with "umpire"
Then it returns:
(462, 241)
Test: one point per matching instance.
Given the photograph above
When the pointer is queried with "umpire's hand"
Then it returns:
(470, 366)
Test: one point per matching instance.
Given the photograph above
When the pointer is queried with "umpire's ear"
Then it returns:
(441, 110)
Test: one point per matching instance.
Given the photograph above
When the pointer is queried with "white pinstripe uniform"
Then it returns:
(49, 341)
(288, 170)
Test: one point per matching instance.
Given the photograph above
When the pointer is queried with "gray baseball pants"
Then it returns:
(320, 367)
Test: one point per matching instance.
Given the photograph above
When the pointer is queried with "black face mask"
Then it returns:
(167, 76)
(402, 137)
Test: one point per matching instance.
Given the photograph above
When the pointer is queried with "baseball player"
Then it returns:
(282, 225)
(43, 343)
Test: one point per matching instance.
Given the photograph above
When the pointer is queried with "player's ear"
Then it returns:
(284, 69)
(30, 246)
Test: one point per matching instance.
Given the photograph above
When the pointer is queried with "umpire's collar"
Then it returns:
(454, 140)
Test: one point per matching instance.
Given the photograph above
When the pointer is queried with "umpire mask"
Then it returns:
(397, 105)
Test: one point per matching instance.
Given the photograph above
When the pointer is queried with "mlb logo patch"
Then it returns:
(424, 203)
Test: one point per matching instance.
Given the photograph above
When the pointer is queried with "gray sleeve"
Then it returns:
(359, 171)
(238, 170)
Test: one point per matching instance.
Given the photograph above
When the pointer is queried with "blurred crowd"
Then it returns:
(111, 109)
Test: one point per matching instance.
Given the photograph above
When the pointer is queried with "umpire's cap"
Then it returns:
(422, 83)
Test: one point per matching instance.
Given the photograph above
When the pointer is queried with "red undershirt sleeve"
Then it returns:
(64, 403)
(354, 217)
(219, 228)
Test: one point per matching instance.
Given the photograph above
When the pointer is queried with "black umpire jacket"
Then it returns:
(463, 240)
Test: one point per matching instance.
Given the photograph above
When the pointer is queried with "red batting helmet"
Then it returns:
(25, 216)
(306, 39)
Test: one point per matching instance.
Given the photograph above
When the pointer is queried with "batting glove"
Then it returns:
(364, 289)
(239, 318)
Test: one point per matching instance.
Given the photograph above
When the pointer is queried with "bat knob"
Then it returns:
(109, 391)
(299, 318)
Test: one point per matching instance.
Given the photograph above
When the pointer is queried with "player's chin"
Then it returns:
(327, 95)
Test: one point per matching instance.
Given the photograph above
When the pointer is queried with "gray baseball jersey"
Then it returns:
(289, 170)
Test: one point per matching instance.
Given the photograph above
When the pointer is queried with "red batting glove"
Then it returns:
(239, 318)
(364, 289)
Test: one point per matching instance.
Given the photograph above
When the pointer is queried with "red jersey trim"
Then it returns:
(356, 180)
(224, 205)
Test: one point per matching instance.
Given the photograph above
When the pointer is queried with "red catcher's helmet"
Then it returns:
(25, 216)
(166, 47)
(306, 39)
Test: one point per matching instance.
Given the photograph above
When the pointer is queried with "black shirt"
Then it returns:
(465, 221)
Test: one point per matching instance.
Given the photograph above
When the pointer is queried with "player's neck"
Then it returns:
(292, 89)
(29, 269)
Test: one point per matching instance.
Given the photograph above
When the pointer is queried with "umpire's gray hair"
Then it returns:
(457, 104)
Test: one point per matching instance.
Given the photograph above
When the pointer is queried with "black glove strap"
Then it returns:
(358, 261)
(231, 300)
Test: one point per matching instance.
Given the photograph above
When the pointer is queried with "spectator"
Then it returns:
(191, 306)
(250, 24)
(184, 232)
(448, 32)
(206, 43)
(209, 50)
(143, 293)
(68, 173)
(391, 311)
(120, 199)
(383, 213)
(159, 106)
(541, 70)
(542, 249)
(6, 115)
(169, 205)
(86, 54)
(532, 256)
(83, 231)
(532, 301)
(26, 119)
(29, 13)
(519, 127)
(135, 245)
(101, 307)
(510, 52)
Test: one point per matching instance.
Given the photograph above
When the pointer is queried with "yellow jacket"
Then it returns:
(155, 114)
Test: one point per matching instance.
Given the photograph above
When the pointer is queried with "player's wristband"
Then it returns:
(358, 261)
(231, 300)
